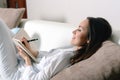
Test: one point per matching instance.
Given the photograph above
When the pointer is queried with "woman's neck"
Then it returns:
(78, 47)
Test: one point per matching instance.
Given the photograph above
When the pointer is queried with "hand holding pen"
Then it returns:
(30, 40)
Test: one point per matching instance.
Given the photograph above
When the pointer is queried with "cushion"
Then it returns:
(11, 16)
(103, 65)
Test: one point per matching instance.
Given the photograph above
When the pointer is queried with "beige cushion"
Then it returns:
(11, 16)
(103, 65)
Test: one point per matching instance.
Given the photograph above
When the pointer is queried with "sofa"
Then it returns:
(103, 65)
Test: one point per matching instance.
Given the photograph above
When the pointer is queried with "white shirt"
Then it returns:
(49, 65)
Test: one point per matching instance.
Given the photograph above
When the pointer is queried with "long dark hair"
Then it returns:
(99, 30)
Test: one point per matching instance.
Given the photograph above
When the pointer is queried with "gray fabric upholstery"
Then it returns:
(103, 65)
(12, 16)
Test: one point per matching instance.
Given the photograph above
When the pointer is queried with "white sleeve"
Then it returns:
(56, 64)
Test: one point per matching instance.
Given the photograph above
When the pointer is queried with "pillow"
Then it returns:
(11, 16)
(103, 65)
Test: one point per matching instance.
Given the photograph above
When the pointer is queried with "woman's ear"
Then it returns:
(88, 41)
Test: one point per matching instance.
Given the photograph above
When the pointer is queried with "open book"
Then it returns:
(22, 46)
(18, 36)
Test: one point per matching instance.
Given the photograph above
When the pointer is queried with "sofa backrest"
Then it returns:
(50, 34)
(54, 34)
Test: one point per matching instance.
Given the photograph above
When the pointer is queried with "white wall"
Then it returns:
(73, 11)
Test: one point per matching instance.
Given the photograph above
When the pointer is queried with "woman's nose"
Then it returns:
(74, 31)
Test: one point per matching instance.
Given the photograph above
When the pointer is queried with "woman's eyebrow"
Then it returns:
(82, 27)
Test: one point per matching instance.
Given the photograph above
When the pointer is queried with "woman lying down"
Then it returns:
(16, 65)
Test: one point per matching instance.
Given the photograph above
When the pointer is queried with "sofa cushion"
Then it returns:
(11, 16)
(103, 65)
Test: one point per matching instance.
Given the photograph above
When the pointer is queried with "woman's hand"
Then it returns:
(24, 56)
(24, 40)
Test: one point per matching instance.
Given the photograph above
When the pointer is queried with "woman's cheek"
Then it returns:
(75, 42)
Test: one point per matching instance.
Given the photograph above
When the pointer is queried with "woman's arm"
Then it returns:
(49, 67)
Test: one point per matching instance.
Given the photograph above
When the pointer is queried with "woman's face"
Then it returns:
(80, 35)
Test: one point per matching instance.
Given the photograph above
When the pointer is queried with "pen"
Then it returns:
(32, 40)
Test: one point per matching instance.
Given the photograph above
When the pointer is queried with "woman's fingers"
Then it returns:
(34, 52)
(24, 40)
(22, 53)
(24, 56)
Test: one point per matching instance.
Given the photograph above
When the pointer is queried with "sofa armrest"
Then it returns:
(50, 34)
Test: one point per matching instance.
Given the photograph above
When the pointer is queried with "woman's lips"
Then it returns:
(73, 37)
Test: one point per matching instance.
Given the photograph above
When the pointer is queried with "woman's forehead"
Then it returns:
(84, 24)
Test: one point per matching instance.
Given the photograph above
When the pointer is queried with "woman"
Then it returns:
(87, 39)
